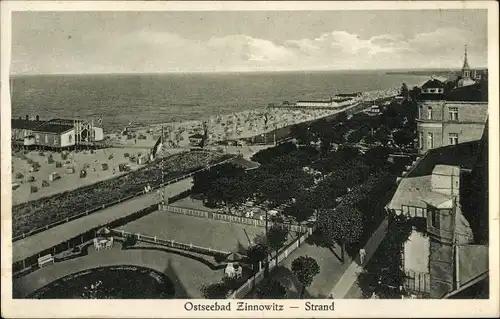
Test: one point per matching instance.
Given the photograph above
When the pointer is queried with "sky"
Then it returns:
(236, 41)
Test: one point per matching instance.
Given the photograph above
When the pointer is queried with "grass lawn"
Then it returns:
(198, 231)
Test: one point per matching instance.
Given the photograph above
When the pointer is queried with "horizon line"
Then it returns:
(240, 71)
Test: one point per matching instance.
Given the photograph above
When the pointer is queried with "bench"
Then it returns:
(45, 260)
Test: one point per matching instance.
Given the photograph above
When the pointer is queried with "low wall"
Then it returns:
(230, 218)
(241, 292)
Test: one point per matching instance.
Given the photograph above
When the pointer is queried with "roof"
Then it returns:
(433, 83)
(417, 185)
(410, 192)
(472, 262)
(477, 92)
(197, 135)
(462, 155)
(25, 124)
(315, 101)
(53, 128)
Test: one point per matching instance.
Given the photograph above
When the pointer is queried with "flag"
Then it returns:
(99, 120)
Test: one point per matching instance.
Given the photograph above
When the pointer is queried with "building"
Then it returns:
(54, 133)
(196, 139)
(447, 252)
(453, 117)
(317, 103)
(433, 89)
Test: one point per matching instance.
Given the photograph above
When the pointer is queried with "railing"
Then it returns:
(257, 278)
(101, 207)
(230, 218)
(171, 243)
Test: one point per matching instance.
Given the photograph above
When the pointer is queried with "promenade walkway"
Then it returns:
(350, 276)
(187, 274)
(32, 245)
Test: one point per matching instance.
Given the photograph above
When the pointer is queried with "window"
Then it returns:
(46, 139)
(430, 141)
(429, 113)
(435, 219)
(453, 111)
(453, 138)
(421, 140)
(420, 112)
(70, 138)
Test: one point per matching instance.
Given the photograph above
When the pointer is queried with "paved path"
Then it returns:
(351, 274)
(187, 274)
(32, 245)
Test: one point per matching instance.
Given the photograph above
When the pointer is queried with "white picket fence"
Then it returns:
(257, 278)
(230, 218)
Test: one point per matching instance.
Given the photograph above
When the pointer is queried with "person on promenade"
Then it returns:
(362, 255)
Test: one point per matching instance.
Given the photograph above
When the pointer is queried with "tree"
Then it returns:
(302, 209)
(230, 191)
(383, 275)
(271, 289)
(203, 180)
(376, 157)
(403, 137)
(383, 135)
(277, 190)
(276, 237)
(404, 91)
(255, 254)
(355, 136)
(343, 225)
(305, 268)
(217, 290)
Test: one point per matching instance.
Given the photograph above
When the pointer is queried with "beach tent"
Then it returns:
(53, 176)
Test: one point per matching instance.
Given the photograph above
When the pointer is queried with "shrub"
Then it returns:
(19, 175)
(41, 153)
(33, 189)
(104, 166)
(64, 156)
(45, 183)
(31, 179)
(126, 155)
(58, 164)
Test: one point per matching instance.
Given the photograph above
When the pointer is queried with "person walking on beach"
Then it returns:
(362, 255)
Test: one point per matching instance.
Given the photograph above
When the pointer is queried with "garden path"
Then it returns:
(350, 276)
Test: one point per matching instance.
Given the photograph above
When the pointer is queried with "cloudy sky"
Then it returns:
(111, 42)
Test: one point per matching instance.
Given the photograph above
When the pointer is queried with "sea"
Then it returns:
(144, 99)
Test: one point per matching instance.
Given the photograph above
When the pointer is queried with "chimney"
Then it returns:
(27, 117)
(38, 117)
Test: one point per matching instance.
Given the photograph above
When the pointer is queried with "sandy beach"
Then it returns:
(139, 140)
(83, 160)
(229, 126)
